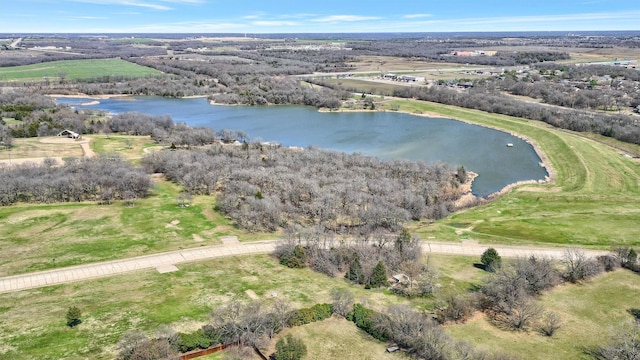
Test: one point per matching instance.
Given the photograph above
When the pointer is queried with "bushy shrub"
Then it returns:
(73, 317)
(490, 259)
(304, 316)
(193, 341)
(290, 348)
(363, 318)
(456, 309)
(294, 259)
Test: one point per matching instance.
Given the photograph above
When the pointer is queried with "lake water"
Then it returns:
(387, 135)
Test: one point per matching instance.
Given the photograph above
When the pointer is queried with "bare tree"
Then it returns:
(550, 323)
(578, 267)
(342, 301)
(624, 343)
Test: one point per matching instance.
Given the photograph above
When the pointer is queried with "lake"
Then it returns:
(387, 135)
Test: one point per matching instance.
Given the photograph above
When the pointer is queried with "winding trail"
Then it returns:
(167, 261)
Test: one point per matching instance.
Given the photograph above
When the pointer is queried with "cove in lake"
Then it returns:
(387, 135)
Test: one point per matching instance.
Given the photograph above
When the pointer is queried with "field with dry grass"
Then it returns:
(42, 147)
(589, 313)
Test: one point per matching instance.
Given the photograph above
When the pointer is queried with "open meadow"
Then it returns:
(34, 326)
(76, 69)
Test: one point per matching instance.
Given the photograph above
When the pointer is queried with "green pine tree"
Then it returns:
(290, 348)
(355, 273)
(73, 317)
(379, 276)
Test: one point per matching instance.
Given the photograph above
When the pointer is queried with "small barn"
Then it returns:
(70, 134)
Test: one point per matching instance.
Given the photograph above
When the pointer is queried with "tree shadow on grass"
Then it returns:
(635, 313)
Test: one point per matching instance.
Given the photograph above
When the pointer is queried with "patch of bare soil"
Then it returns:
(252, 295)
(197, 238)
(173, 224)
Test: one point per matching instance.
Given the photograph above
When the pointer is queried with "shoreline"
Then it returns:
(544, 160)
(93, 97)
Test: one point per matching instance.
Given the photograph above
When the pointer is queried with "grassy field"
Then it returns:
(34, 326)
(393, 64)
(589, 312)
(340, 339)
(593, 201)
(133, 148)
(76, 69)
(33, 235)
(42, 147)
(33, 323)
(39, 237)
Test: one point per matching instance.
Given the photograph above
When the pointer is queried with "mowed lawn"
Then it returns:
(592, 202)
(76, 69)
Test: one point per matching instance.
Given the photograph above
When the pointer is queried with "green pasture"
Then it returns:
(76, 69)
(133, 148)
(369, 87)
(336, 338)
(34, 325)
(40, 237)
(589, 313)
(592, 202)
(33, 321)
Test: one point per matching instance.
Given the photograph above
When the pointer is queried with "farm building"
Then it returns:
(70, 134)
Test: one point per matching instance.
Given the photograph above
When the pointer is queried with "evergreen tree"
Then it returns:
(73, 316)
(379, 276)
(491, 259)
(355, 273)
(290, 348)
(298, 259)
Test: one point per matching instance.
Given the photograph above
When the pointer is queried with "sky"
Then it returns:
(313, 16)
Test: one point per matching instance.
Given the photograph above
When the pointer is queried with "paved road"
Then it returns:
(166, 262)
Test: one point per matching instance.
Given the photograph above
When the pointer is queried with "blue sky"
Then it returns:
(325, 16)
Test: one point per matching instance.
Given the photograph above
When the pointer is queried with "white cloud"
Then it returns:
(88, 17)
(275, 23)
(188, 27)
(547, 19)
(184, 1)
(126, 3)
(416, 16)
(337, 18)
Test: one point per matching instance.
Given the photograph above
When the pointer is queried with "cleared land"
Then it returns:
(76, 69)
(34, 324)
(340, 339)
(589, 312)
(42, 147)
(34, 327)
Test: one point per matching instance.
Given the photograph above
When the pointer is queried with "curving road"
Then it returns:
(167, 261)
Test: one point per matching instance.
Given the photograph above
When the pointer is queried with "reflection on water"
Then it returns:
(384, 134)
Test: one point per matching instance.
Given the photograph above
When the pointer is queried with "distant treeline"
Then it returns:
(619, 126)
